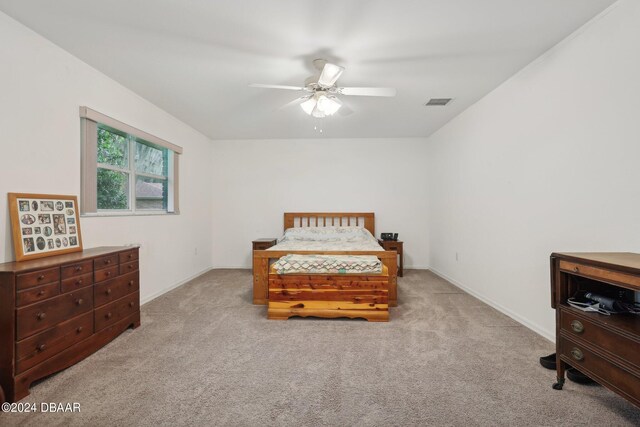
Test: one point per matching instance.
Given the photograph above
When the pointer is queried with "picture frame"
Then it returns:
(44, 225)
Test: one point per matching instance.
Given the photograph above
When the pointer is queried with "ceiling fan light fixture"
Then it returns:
(309, 105)
(329, 106)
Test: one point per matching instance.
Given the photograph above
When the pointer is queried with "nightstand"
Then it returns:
(394, 245)
(264, 243)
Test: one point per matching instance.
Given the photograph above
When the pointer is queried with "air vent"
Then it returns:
(438, 102)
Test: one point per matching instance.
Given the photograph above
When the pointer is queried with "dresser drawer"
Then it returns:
(128, 256)
(33, 350)
(105, 274)
(38, 317)
(112, 290)
(611, 375)
(77, 269)
(582, 328)
(105, 261)
(40, 293)
(599, 273)
(128, 267)
(37, 278)
(74, 283)
(117, 310)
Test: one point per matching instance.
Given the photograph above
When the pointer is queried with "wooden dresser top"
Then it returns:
(53, 261)
(627, 261)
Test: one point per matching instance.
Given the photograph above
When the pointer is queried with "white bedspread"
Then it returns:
(327, 239)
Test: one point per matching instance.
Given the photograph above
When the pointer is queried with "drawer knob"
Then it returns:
(41, 292)
(79, 282)
(41, 347)
(577, 326)
(576, 269)
(108, 315)
(108, 273)
(41, 315)
(130, 256)
(107, 261)
(108, 292)
(131, 282)
(79, 301)
(79, 268)
(577, 354)
(79, 329)
(131, 304)
(130, 266)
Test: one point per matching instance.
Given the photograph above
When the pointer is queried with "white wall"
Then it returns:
(549, 161)
(41, 88)
(256, 181)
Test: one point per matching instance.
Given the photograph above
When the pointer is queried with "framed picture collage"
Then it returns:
(44, 225)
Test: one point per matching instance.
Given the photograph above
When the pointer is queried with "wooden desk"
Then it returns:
(604, 347)
(394, 245)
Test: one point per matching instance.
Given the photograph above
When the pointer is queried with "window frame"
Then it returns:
(91, 121)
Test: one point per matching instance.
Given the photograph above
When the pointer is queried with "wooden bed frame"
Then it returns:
(262, 258)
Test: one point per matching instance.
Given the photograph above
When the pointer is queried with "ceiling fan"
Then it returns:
(321, 99)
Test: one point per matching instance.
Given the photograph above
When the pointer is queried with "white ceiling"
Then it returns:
(195, 58)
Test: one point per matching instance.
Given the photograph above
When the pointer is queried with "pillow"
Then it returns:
(326, 234)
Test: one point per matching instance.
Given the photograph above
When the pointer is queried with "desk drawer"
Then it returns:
(105, 274)
(589, 330)
(112, 290)
(105, 261)
(128, 267)
(603, 371)
(37, 278)
(599, 273)
(73, 283)
(117, 310)
(31, 295)
(38, 317)
(128, 256)
(77, 269)
(35, 349)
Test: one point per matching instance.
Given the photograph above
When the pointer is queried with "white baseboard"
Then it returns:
(175, 285)
(550, 335)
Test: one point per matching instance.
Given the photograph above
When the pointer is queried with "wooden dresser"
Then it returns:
(605, 348)
(56, 311)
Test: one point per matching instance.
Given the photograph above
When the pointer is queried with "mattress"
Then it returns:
(328, 264)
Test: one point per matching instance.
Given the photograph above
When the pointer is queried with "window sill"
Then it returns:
(127, 213)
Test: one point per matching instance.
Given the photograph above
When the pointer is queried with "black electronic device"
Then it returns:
(389, 236)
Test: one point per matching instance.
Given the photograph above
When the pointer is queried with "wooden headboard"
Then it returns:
(328, 219)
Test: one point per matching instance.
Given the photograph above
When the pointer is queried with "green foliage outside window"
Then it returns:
(113, 186)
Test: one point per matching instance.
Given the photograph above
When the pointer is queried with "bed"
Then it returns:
(265, 269)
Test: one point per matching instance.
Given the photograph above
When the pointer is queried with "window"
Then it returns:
(125, 170)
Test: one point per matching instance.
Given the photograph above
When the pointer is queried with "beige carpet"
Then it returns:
(205, 356)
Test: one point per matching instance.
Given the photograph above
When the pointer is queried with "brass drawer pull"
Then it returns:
(577, 354)
(79, 268)
(577, 326)
(108, 292)
(108, 261)
(41, 347)
(41, 292)
(79, 282)
(41, 315)
(108, 273)
(131, 304)
(108, 315)
(41, 277)
(79, 329)
(131, 282)
(576, 269)
(79, 301)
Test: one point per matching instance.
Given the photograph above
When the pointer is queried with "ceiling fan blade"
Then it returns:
(260, 85)
(367, 91)
(295, 102)
(329, 75)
